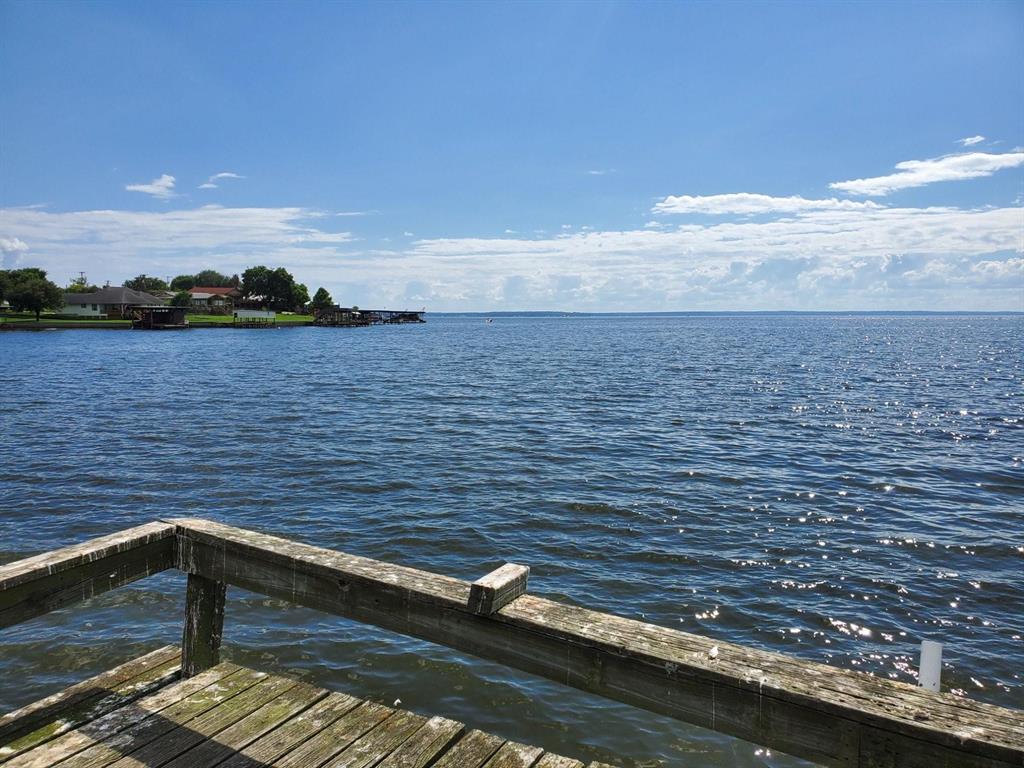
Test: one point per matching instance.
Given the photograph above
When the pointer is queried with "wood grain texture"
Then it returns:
(204, 624)
(555, 761)
(232, 717)
(109, 731)
(143, 731)
(193, 731)
(45, 720)
(423, 747)
(53, 580)
(471, 751)
(336, 737)
(88, 699)
(514, 755)
(831, 716)
(50, 563)
(498, 588)
(381, 741)
(231, 740)
(267, 749)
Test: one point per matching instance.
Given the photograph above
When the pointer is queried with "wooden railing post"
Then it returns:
(204, 624)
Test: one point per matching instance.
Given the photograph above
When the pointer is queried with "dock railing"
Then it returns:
(831, 716)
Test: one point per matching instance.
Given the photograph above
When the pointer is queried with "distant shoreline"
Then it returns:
(125, 325)
(743, 313)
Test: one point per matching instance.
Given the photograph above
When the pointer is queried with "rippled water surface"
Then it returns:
(833, 487)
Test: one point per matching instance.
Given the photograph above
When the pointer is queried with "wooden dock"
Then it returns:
(830, 716)
(144, 715)
(353, 317)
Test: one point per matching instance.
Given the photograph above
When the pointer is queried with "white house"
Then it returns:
(107, 302)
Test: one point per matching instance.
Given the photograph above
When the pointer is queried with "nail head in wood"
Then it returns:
(498, 588)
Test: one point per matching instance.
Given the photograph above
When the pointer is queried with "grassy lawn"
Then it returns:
(28, 318)
(228, 319)
(285, 319)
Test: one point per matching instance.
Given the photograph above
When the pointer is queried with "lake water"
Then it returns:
(834, 487)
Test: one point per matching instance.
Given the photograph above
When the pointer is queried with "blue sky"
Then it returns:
(475, 156)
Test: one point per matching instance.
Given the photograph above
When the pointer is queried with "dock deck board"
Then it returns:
(142, 715)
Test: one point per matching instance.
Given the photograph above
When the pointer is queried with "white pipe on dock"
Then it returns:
(930, 668)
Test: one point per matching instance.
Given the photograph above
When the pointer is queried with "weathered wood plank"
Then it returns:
(53, 580)
(204, 624)
(556, 761)
(147, 729)
(71, 719)
(231, 740)
(50, 563)
(107, 730)
(336, 737)
(513, 755)
(420, 749)
(267, 749)
(498, 588)
(378, 743)
(811, 710)
(472, 751)
(207, 725)
(90, 698)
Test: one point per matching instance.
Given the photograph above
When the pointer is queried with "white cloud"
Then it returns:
(836, 234)
(970, 141)
(750, 203)
(356, 213)
(1010, 270)
(600, 172)
(162, 188)
(822, 257)
(133, 241)
(12, 245)
(918, 173)
(211, 183)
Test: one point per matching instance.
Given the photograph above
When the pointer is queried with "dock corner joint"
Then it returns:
(810, 710)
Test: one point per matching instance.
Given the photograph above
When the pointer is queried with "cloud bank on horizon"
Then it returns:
(731, 251)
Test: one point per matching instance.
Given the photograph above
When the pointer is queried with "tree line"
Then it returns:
(29, 290)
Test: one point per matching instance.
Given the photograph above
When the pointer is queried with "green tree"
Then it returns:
(274, 288)
(181, 299)
(256, 283)
(322, 299)
(146, 284)
(211, 278)
(81, 284)
(28, 290)
(183, 282)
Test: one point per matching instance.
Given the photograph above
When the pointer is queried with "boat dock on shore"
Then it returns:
(189, 709)
(349, 317)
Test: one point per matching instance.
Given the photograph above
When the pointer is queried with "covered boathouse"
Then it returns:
(353, 316)
(159, 318)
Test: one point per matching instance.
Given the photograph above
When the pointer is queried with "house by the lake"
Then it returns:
(215, 298)
(110, 302)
